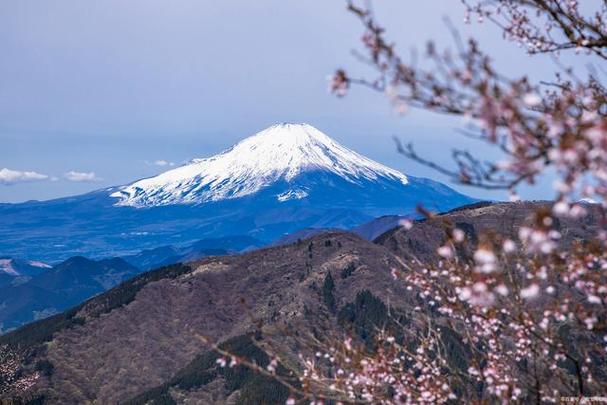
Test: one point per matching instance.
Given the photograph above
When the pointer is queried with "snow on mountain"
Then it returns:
(6, 266)
(16, 267)
(295, 194)
(279, 153)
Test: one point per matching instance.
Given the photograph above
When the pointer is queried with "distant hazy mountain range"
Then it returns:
(281, 180)
(25, 299)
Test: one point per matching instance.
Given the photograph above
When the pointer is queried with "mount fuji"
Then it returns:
(282, 179)
(280, 154)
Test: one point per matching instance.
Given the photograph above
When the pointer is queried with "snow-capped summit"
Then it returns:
(280, 153)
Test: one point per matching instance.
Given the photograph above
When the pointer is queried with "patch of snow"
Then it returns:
(292, 195)
(280, 152)
(588, 201)
(6, 266)
(39, 264)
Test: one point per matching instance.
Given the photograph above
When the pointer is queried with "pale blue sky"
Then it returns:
(112, 86)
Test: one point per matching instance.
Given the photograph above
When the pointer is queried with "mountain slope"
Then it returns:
(286, 178)
(147, 328)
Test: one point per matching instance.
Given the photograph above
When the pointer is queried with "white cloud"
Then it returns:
(160, 163)
(81, 176)
(8, 176)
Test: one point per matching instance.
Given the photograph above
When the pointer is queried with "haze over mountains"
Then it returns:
(283, 179)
